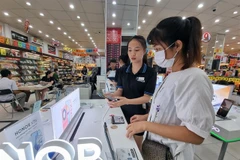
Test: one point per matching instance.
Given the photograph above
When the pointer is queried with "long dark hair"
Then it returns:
(188, 31)
(143, 43)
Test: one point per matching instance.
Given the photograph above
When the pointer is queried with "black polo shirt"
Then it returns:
(135, 86)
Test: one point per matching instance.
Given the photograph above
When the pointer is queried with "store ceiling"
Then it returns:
(91, 13)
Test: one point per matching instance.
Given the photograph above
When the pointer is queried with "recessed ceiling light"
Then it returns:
(6, 13)
(183, 17)
(139, 27)
(78, 17)
(82, 24)
(216, 41)
(238, 43)
(113, 23)
(128, 24)
(53, 39)
(19, 20)
(76, 43)
(232, 48)
(59, 28)
(88, 34)
(158, 0)
(220, 45)
(28, 3)
(217, 20)
(71, 6)
(73, 40)
(64, 33)
(233, 37)
(69, 37)
(47, 35)
(213, 47)
(227, 45)
(51, 22)
(144, 21)
(62, 44)
(114, 2)
(30, 26)
(149, 12)
(201, 46)
(90, 37)
(227, 30)
(41, 14)
(202, 27)
(200, 5)
(235, 12)
(85, 30)
(113, 15)
(40, 31)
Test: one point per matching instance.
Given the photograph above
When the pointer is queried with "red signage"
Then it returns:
(114, 35)
(206, 37)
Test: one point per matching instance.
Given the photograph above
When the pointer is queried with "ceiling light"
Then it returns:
(53, 39)
(220, 45)
(227, 45)
(233, 37)
(51, 22)
(144, 21)
(128, 24)
(238, 43)
(41, 14)
(62, 44)
(64, 33)
(139, 27)
(113, 15)
(227, 30)
(232, 48)
(85, 30)
(47, 35)
(149, 12)
(6, 13)
(88, 34)
(73, 40)
(76, 43)
(78, 17)
(69, 37)
(202, 27)
(82, 24)
(213, 47)
(71, 6)
(59, 28)
(217, 20)
(30, 26)
(19, 20)
(216, 41)
(40, 31)
(113, 23)
(200, 5)
(28, 3)
(183, 17)
(114, 2)
(201, 46)
(158, 1)
(90, 37)
(235, 12)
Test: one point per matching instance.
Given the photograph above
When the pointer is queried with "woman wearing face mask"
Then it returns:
(181, 114)
(136, 84)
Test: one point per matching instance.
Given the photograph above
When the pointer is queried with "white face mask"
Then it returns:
(161, 60)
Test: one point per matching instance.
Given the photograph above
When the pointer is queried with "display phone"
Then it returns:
(117, 120)
(111, 99)
(224, 108)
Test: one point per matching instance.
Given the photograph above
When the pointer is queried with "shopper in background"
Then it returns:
(136, 83)
(6, 82)
(111, 71)
(123, 61)
(47, 79)
(84, 70)
(181, 114)
(56, 75)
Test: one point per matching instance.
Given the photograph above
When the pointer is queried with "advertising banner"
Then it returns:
(19, 37)
(51, 49)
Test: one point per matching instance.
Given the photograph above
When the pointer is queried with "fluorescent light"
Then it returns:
(233, 37)
(113, 15)
(128, 24)
(59, 28)
(88, 34)
(158, 1)
(90, 37)
(41, 14)
(144, 21)
(28, 3)
(227, 30)
(139, 27)
(6, 13)
(71, 6)
(30, 26)
(85, 30)
(183, 17)
(217, 20)
(64, 33)
(202, 27)
(47, 35)
(235, 12)
(40, 31)
(51, 22)
(149, 12)
(78, 17)
(113, 23)
(19, 20)
(200, 5)
(82, 24)
(114, 2)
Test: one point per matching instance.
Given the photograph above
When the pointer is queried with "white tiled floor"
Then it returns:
(209, 150)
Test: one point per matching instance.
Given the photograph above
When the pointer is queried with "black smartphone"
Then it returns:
(111, 98)
(225, 108)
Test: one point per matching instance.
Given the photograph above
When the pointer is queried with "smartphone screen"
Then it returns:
(225, 107)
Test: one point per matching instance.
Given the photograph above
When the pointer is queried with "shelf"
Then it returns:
(30, 75)
(21, 58)
(30, 80)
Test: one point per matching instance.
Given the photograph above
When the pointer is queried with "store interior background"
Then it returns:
(84, 25)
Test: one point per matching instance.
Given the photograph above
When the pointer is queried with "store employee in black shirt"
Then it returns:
(46, 80)
(136, 84)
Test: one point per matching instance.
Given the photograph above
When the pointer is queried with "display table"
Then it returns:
(36, 88)
(228, 131)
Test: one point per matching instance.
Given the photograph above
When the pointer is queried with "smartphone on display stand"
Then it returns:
(224, 109)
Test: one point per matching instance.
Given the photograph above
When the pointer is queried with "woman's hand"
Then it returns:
(138, 118)
(135, 128)
(120, 101)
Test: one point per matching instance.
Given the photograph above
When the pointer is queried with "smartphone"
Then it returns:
(225, 108)
(111, 99)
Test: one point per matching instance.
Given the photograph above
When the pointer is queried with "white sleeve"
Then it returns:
(193, 97)
(14, 86)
